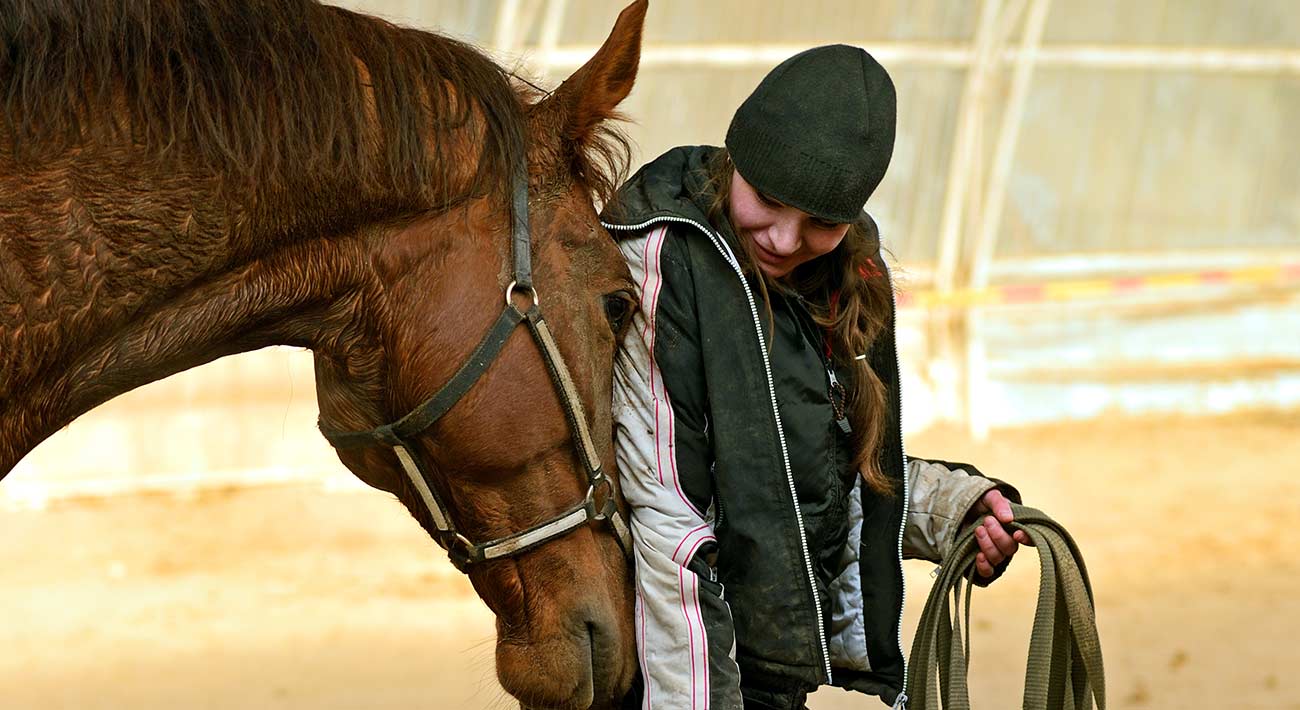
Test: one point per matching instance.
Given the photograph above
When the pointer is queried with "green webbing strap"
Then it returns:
(1065, 668)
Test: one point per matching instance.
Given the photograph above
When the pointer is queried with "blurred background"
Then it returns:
(1094, 210)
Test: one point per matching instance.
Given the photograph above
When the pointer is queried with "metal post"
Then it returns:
(946, 326)
(1008, 138)
(976, 370)
(505, 32)
(552, 23)
(974, 96)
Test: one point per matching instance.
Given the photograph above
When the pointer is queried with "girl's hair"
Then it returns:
(848, 294)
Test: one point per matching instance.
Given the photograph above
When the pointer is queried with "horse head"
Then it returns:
(506, 454)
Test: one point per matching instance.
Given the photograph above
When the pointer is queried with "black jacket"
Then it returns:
(750, 523)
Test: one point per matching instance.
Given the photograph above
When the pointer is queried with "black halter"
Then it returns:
(599, 503)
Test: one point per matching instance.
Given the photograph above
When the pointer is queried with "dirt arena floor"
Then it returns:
(294, 597)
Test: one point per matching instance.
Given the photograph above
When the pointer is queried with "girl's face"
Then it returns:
(783, 237)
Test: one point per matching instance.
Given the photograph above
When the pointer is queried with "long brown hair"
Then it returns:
(848, 294)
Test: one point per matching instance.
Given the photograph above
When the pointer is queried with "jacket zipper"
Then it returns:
(776, 413)
(835, 392)
(900, 703)
(839, 402)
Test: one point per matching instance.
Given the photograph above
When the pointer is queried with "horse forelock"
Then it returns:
(260, 93)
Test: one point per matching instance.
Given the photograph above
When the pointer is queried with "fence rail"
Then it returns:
(950, 54)
(1087, 289)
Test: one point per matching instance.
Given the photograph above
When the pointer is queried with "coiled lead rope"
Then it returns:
(1065, 667)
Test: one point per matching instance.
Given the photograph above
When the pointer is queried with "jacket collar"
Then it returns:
(674, 186)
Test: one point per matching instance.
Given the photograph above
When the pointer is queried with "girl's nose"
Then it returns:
(786, 239)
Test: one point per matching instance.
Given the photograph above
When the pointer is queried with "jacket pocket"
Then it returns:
(707, 576)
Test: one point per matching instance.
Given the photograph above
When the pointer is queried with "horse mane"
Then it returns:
(274, 92)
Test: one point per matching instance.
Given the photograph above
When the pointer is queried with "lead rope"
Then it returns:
(1065, 666)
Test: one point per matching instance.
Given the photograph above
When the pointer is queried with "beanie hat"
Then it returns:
(818, 132)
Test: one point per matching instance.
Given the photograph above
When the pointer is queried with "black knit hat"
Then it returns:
(818, 132)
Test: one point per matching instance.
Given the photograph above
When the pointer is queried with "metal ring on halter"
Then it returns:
(590, 502)
(532, 292)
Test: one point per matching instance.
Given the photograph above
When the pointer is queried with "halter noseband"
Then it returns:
(599, 503)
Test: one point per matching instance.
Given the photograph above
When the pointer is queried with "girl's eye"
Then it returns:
(767, 200)
(823, 224)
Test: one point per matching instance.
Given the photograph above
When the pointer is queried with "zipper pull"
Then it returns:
(838, 398)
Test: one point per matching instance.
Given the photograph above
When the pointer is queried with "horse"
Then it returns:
(182, 180)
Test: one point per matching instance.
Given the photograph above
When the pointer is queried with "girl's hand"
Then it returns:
(996, 544)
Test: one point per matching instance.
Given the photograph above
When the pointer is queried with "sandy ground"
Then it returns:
(294, 597)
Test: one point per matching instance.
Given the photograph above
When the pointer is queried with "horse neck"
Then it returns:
(117, 269)
(114, 280)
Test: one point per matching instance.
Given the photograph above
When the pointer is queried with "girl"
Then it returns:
(757, 406)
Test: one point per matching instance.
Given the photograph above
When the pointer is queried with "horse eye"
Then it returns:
(618, 310)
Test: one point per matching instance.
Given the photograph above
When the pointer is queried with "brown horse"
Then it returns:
(186, 179)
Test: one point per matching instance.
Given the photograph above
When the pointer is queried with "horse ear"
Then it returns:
(591, 94)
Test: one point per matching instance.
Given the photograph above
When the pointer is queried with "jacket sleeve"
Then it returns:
(685, 636)
(941, 495)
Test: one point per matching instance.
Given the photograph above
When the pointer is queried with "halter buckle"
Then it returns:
(460, 550)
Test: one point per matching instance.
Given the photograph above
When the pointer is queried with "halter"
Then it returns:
(599, 502)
